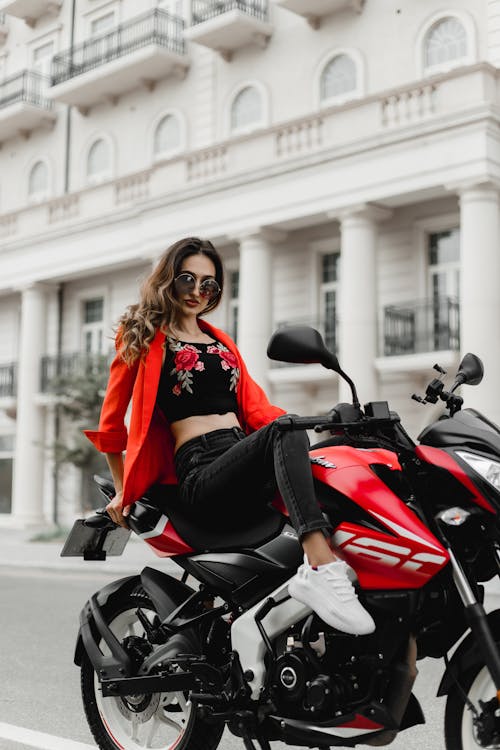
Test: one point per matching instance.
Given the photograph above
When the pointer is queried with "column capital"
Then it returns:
(37, 286)
(367, 211)
(269, 235)
(476, 187)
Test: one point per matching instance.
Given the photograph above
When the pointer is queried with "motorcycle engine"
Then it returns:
(304, 684)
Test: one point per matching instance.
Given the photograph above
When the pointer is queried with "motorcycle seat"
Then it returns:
(251, 533)
(162, 499)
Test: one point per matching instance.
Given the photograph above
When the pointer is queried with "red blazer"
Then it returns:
(149, 443)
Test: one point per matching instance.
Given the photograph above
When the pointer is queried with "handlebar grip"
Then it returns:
(291, 422)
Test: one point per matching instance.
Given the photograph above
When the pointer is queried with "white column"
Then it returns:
(357, 315)
(254, 304)
(28, 484)
(480, 292)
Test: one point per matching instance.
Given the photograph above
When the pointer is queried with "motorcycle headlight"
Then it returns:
(485, 467)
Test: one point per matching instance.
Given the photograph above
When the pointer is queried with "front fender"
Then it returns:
(467, 654)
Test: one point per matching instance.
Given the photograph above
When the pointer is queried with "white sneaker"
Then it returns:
(328, 591)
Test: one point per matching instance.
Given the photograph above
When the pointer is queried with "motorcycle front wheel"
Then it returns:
(161, 721)
(460, 731)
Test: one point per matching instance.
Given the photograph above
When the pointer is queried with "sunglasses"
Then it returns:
(185, 283)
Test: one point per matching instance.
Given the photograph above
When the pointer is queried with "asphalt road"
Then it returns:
(40, 704)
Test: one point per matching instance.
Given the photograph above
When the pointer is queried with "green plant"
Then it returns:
(78, 396)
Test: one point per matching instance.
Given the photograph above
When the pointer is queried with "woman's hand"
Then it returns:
(116, 511)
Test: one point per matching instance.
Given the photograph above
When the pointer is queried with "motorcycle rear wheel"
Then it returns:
(161, 720)
(460, 732)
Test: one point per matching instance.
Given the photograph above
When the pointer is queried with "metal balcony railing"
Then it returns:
(203, 10)
(154, 27)
(8, 379)
(28, 87)
(424, 326)
(77, 364)
(327, 328)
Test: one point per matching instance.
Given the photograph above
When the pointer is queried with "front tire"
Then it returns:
(159, 721)
(460, 732)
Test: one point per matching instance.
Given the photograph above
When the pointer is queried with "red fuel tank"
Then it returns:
(401, 552)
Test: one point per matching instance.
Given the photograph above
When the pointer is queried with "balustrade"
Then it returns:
(423, 326)
(408, 106)
(8, 379)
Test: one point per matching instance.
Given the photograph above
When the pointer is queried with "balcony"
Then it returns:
(285, 148)
(228, 25)
(58, 372)
(8, 380)
(419, 327)
(315, 10)
(136, 53)
(24, 105)
(30, 10)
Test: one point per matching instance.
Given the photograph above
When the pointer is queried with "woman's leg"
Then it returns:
(224, 466)
(221, 477)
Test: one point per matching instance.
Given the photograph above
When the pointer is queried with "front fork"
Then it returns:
(478, 623)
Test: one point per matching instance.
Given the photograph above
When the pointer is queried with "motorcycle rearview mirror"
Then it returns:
(305, 345)
(301, 344)
(470, 371)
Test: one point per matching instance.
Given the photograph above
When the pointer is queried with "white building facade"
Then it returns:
(344, 157)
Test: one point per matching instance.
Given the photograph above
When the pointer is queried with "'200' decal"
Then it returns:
(392, 555)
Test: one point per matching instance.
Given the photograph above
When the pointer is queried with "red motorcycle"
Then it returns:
(168, 665)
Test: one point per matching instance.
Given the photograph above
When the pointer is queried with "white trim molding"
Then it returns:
(356, 93)
(470, 29)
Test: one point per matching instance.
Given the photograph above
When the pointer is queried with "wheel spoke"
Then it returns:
(135, 729)
(155, 723)
(170, 722)
(183, 704)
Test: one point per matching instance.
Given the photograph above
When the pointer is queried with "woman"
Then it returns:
(200, 420)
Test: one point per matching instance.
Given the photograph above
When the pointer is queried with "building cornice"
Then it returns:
(68, 221)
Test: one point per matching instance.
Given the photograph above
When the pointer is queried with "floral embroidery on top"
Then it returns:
(187, 359)
(228, 361)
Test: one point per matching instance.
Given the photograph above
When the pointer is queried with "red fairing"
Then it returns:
(362, 722)
(438, 457)
(165, 541)
(405, 556)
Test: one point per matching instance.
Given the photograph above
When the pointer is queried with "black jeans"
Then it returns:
(226, 476)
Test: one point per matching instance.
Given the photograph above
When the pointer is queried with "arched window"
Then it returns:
(38, 182)
(167, 137)
(445, 43)
(99, 160)
(246, 110)
(338, 78)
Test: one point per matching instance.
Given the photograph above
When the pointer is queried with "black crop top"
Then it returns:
(197, 379)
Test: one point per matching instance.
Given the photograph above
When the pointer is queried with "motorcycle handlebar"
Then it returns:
(332, 422)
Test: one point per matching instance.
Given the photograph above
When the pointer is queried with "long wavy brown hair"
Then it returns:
(157, 301)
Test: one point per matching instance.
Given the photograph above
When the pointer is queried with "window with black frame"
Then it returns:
(234, 293)
(93, 326)
(328, 297)
(444, 279)
(6, 461)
